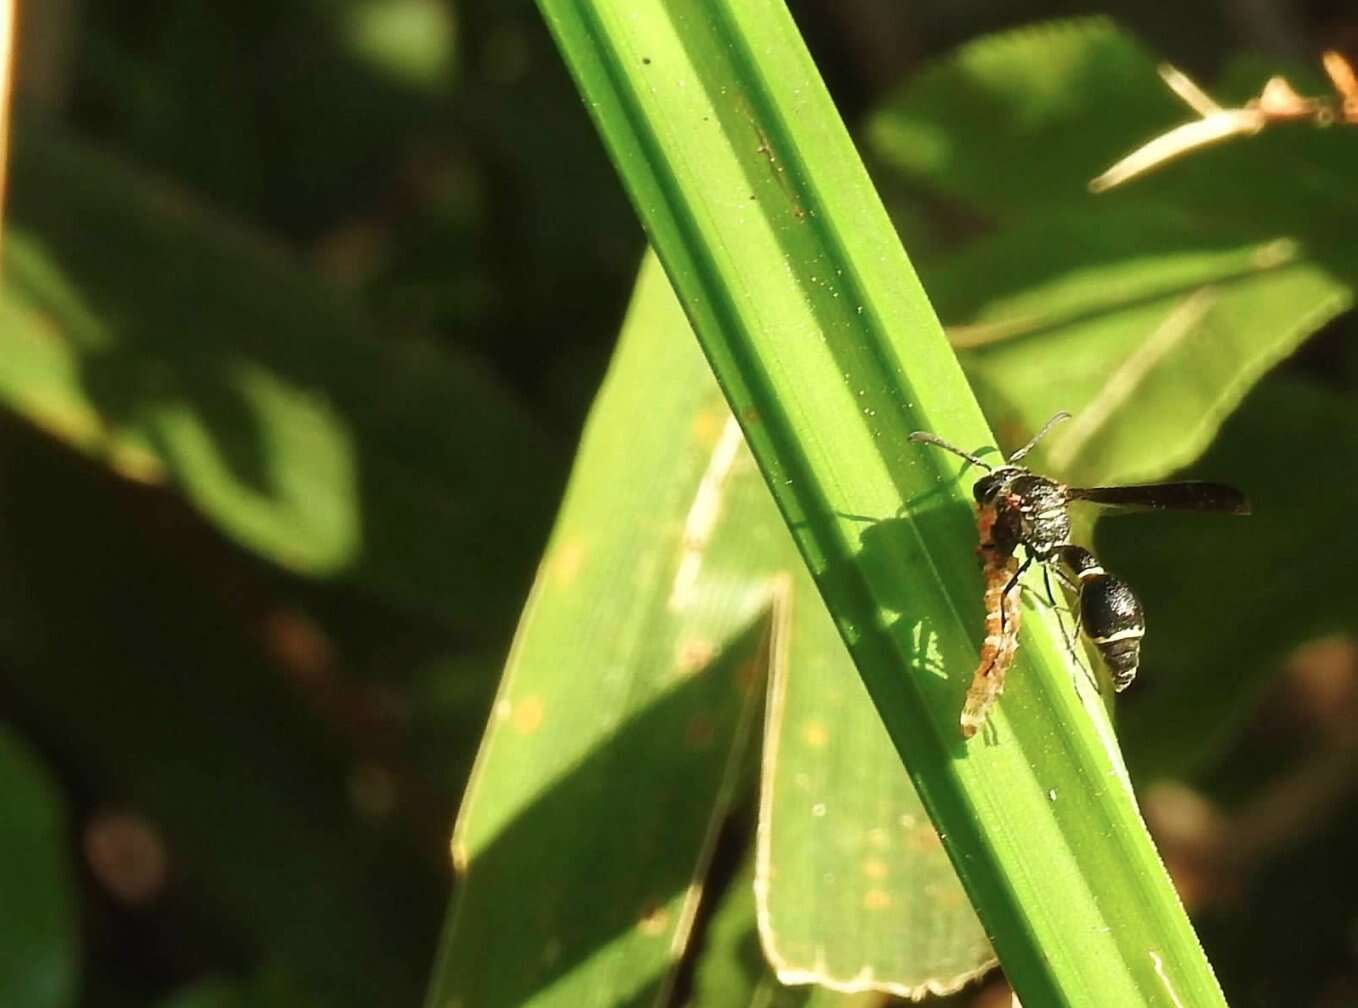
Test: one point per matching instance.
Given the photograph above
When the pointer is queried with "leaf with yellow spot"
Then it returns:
(854, 889)
(733, 973)
(627, 700)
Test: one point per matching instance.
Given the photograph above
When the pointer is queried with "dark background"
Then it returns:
(461, 200)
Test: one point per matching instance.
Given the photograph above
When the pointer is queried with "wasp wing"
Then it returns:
(1188, 496)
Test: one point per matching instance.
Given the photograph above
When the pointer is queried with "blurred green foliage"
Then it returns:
(1071, 301)
(304, 307)
(39, 964)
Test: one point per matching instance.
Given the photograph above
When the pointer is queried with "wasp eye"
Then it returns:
(986, 488)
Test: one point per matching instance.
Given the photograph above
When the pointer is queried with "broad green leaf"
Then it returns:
(1221, 621)
(855, 891)
(148, 334)
(610, 759)
(1150, 337)
(40, 954)
(1148, 311)
(830, 354)
(163, 700)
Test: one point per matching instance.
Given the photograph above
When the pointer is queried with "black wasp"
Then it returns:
(1018, 507)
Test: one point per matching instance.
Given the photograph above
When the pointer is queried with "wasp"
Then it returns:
(1018, 507)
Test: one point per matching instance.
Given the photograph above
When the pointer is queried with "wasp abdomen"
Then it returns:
(1112, 617)
(1123, 657)
(1110, 614)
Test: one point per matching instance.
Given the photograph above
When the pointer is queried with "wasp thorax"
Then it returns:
(1041, 508)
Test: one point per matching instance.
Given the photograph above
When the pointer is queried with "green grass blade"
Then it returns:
(628, 696)
(830, 354)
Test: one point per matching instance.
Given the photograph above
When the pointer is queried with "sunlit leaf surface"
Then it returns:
(855, 891)
(734, 972)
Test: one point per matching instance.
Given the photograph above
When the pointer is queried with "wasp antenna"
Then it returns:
(924, 437)
(1062, 415)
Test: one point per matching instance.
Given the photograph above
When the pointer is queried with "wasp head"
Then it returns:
(989, 487)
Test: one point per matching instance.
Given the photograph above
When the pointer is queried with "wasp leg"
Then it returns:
(1049, 600)
(1044, 600)
(1075, 633)
(1069, 638)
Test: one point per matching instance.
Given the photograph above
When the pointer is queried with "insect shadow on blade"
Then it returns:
(1018, 507)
